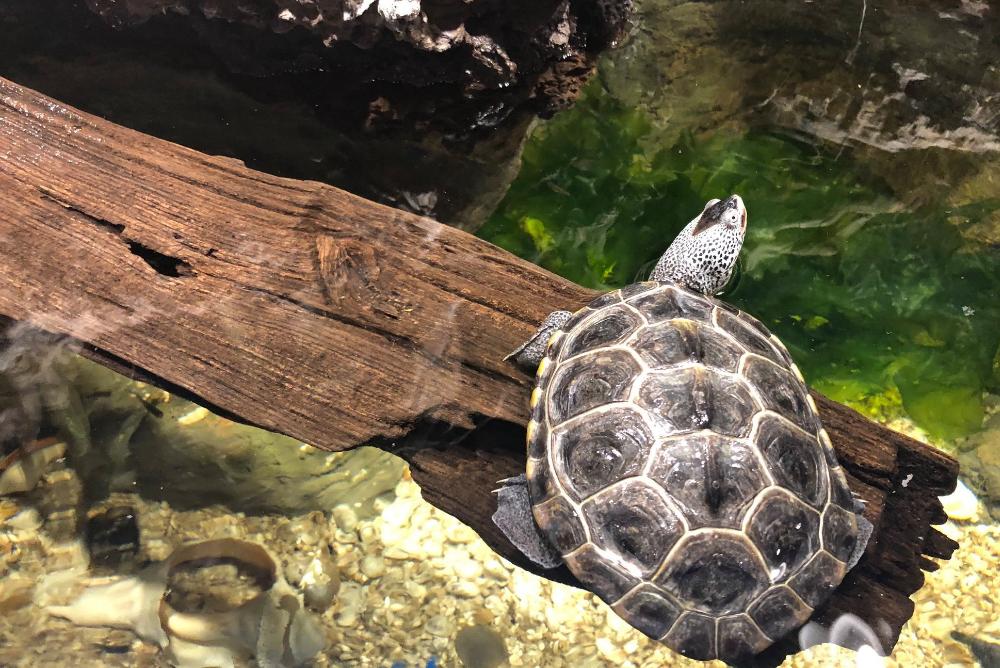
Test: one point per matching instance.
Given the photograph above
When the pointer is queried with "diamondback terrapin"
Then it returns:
(676, 462)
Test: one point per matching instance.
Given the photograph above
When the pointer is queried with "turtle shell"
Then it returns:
(677, 462)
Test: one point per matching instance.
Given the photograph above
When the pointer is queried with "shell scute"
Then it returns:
(649, 609)
(781, 392)
(739, 639)
(715, 572)
(840, 532)
(786, 532)
(752, 335)
(600, 576)
(693, 635)
(633, 522)
(589, 381)
(818, 579)
(712, 478)
(610, 326)
(669, 343)
(795, 460)
(779, 611)
(697, 398)
(670, 302)
(601, 448)
(561, 524)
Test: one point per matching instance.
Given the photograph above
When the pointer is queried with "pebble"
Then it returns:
(351, 599)
(464, 589)
(373, 566)
(961, 504)
(345, 517)
(468, 569)
(439, 626)
(320, 583)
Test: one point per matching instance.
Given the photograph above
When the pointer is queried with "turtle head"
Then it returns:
(729, 212)
(703, 255)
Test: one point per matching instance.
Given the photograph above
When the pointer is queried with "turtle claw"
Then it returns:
(508, 482)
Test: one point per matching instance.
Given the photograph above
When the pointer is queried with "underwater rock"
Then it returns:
(495, 45)
(914, 88)
(480, 647)
(961, 504)
(320, 583)
(980, 459)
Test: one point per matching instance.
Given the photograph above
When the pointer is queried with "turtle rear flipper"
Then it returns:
(865, 531)
(513, 517)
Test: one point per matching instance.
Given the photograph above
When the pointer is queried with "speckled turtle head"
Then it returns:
(703, 255)
(677, 463)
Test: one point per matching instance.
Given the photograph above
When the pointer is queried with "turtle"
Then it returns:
(676, 462)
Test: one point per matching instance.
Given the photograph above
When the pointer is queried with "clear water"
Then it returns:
(878, 264)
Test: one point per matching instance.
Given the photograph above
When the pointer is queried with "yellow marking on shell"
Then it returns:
(824, 438)
(542, 366)
(536, 396)
(556, 335)
(812, 403)
(798, 374)
(529, 468)
(532, 428)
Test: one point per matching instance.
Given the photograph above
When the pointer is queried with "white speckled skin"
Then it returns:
(703, 255)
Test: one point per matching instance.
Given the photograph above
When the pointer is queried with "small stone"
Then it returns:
(459, 534)
(416, 590)
(439, 626)
(345, 517)
(480, 646)
(465, 589)
(321, 582)
(961, 504)
(15, 593)
(468, 569)
(373, 566)
(940, 628)
(351, 601)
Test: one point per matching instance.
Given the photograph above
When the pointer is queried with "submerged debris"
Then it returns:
(21, 470)
(271, 627)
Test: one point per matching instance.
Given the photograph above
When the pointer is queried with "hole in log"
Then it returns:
(163, 264)
(108, 225)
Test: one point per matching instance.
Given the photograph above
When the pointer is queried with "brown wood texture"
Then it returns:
(305, 310)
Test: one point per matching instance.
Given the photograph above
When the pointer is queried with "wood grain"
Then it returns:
(302, 309)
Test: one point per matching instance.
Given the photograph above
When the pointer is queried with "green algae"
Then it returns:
(885, 307)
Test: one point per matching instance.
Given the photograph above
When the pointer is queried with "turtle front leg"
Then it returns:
(531, 352)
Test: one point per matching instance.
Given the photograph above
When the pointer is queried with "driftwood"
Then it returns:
(309, 311)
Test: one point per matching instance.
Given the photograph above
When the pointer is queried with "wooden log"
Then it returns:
(303, 309)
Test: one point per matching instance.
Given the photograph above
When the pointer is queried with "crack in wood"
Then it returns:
(161, 263)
